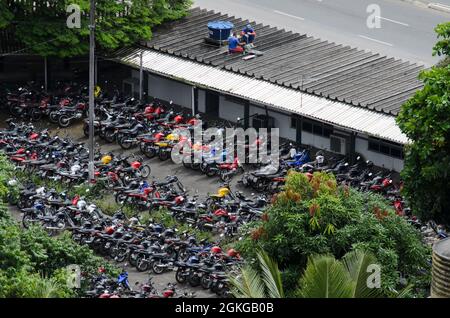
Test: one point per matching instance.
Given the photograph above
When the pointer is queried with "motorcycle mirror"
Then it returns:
(171, 102)
(239, 119)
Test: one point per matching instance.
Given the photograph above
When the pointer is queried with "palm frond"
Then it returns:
(248, 284)
(357, 263)
(325, 277)
(271, 275)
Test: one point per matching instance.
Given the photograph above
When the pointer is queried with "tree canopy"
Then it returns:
(425, 119)
(318, 216)
(42, 25)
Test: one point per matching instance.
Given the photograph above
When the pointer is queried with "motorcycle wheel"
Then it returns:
(27, 220)
(203, 167)
(158, 270)
(64, 121)
(194, 281)
(132, 259)
(225, 176)
(35, 115)
(149, 152)
(124, 144)
(16, 111)
(53, 117)
(121, 255)
(180, 277)
(145, 171)
(110, 136)
(205, 282)
(121, 198)
(142, 265)
(163, 155)
(210, 172)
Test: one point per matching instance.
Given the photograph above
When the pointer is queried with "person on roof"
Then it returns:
(234, 46)
(248, 34)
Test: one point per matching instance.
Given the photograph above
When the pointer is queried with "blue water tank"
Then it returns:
(220, 30)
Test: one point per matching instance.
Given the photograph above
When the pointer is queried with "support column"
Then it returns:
(352, 147)
(247, 114)
(194, 100)
(141, 75)
(298, 128)
(96, 70)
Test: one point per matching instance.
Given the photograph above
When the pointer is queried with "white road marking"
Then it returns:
(375, 40)
(393, 21)
(289, 15)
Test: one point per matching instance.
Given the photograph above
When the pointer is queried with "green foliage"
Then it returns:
(33, 264)
(118, 23)
(358, 221)
(326, 277)
(425, 119)
(6, 173)
(263, 282)
(442, 47)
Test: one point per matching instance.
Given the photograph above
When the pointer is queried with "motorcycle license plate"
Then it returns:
(220, 285)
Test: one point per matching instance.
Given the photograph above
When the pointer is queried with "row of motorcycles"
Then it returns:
(56, 159)
(30, 102)
(147, 247)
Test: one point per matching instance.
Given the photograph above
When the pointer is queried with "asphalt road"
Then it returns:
(406, 30)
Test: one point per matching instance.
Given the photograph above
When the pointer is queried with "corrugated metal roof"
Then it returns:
(297, 61)
(259, 91)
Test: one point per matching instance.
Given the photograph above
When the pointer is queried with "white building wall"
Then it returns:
(315, 141)
(379, 159)
(168, 90)
(229, 110)
(282, 122)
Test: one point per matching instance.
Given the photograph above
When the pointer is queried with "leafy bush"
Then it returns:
(33, 264)
(317, 217)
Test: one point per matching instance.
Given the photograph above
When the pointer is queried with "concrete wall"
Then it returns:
(168, 90)
(379, 159)
(229, 110)
(315, 141)
(282, 121)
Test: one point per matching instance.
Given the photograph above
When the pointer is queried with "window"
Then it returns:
(327, 131)
(385, 147)
(294, 122)
(317, 128)
(307, 126)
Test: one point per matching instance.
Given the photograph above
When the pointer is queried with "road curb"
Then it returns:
(439, 6)
(431, 5)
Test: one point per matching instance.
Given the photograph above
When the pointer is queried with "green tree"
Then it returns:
(425, 119)
(319, 217)
(42, 25)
